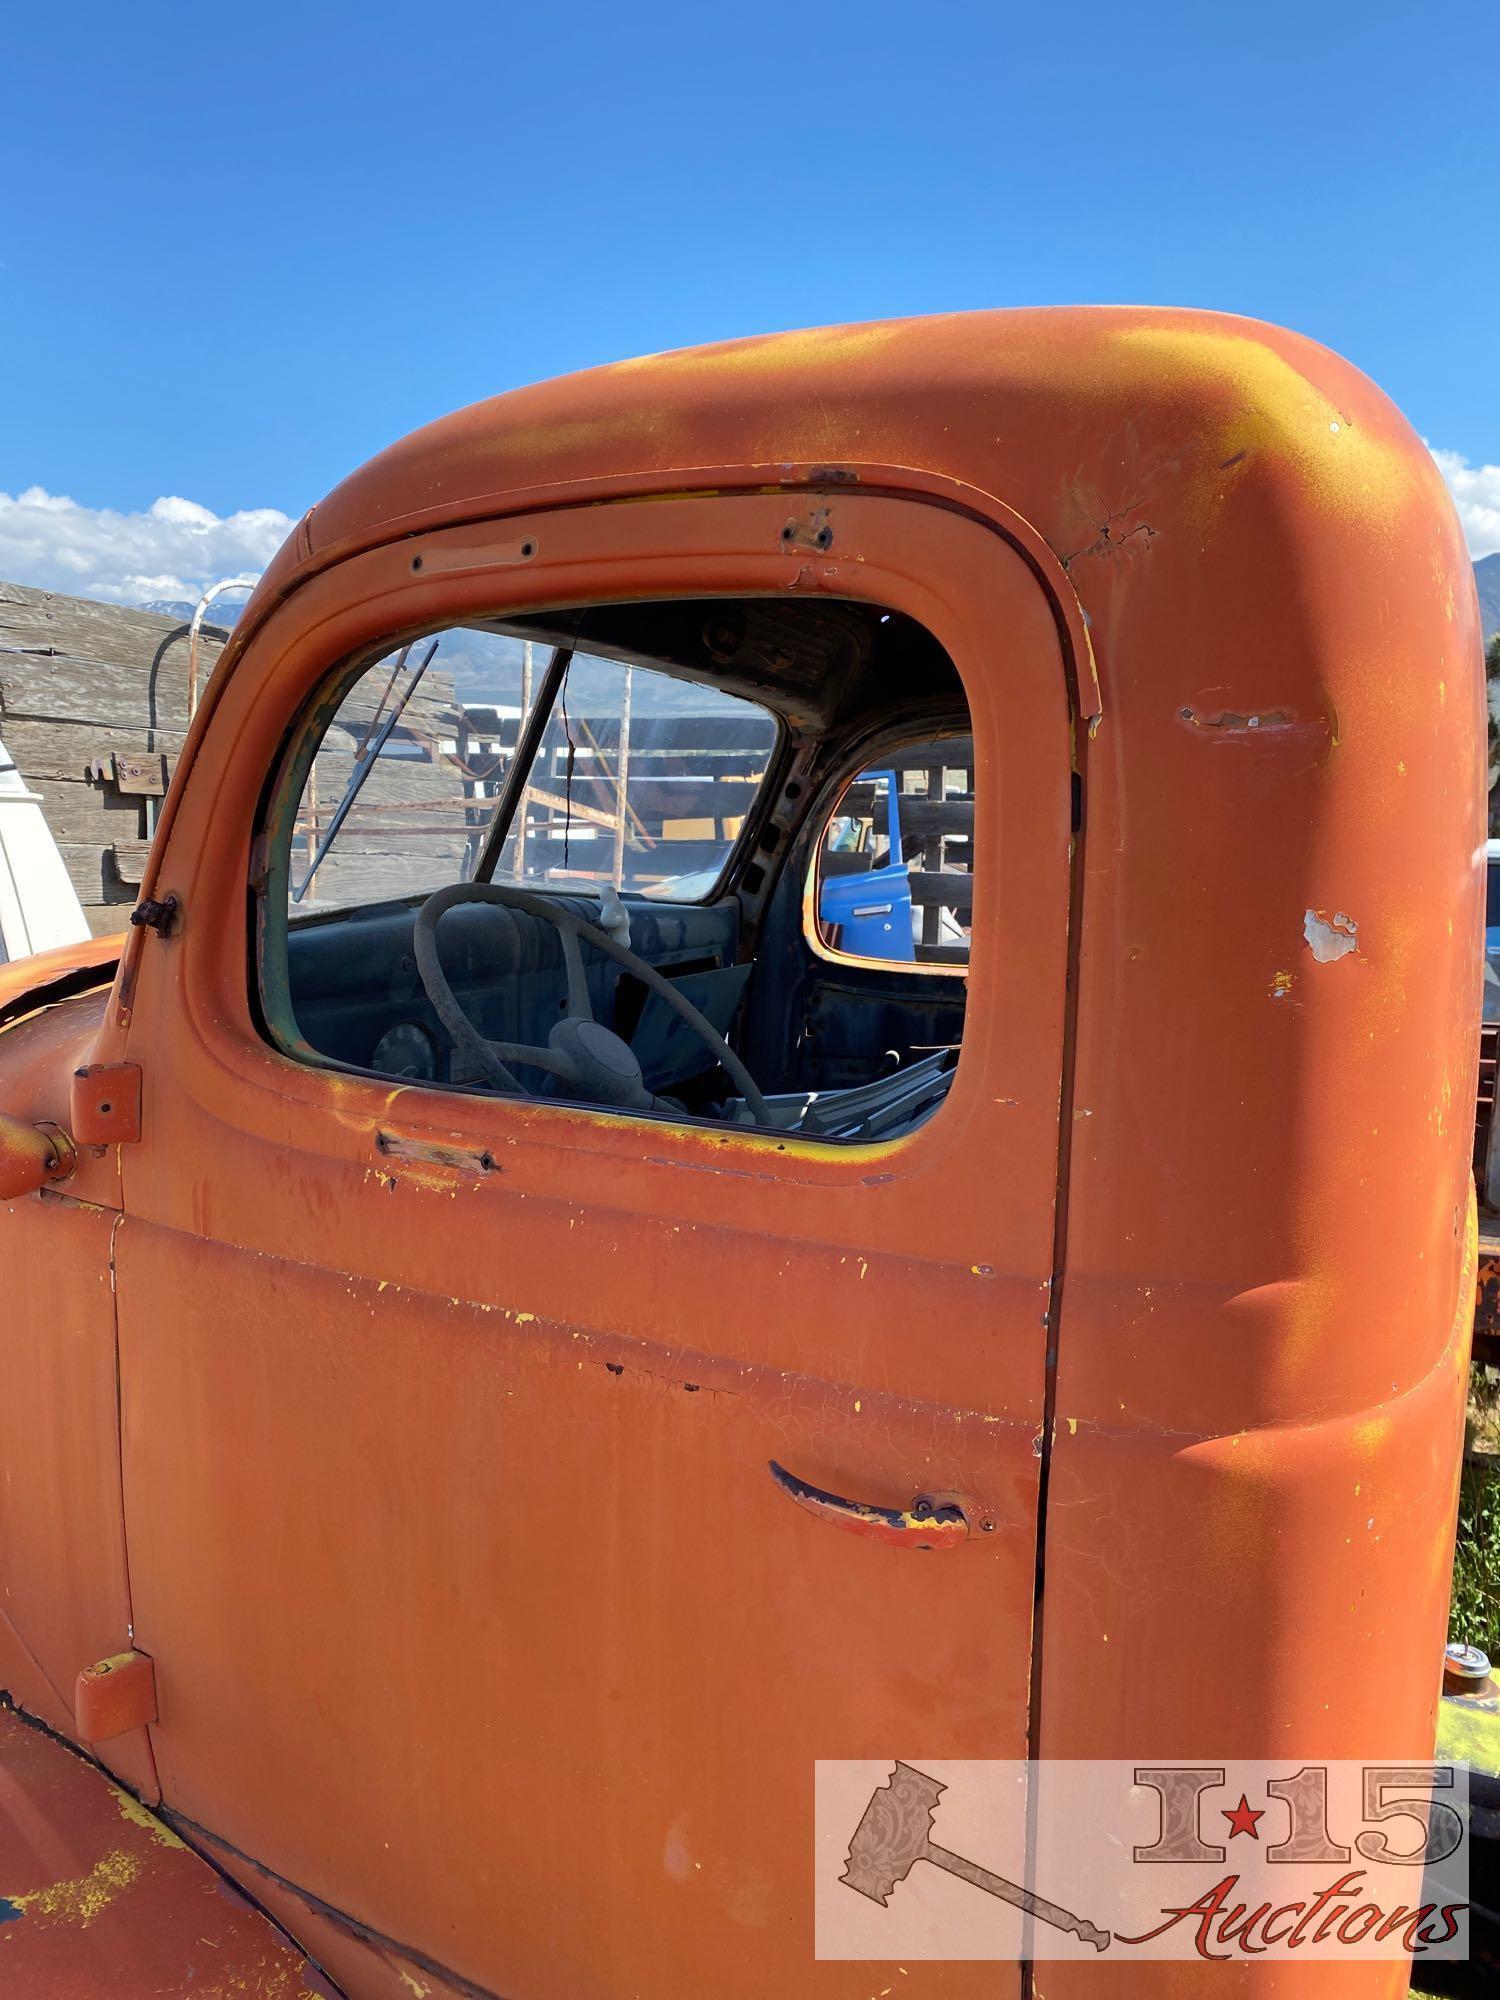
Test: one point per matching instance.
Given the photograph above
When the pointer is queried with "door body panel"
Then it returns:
(64, 1590)
(475, 1610)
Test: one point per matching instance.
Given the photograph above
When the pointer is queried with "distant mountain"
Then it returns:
(221, 614)
(1487, 576)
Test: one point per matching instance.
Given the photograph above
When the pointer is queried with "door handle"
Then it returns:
(932, 1522)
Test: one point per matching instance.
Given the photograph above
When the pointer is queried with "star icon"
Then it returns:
(1242, 1819)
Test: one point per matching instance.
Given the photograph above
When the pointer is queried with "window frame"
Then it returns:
(962, 575)
(886, 743)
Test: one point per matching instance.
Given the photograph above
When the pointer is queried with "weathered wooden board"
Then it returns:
(53, 752)
(83, 684)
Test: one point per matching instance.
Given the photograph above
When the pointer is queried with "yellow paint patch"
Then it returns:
(1371, 1436)
(87, 1897)
(1276, 409)
(145, 1819)
(780, 354)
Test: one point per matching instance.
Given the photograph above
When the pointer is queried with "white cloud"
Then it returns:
(1476, 491)
(172, 550)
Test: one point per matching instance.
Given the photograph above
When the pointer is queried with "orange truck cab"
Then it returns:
(518, 1342)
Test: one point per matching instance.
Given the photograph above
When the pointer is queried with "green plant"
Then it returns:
(1475, 1612)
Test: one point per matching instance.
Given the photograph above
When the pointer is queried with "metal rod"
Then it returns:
(214, 589)
(369, 752)
(526, 748)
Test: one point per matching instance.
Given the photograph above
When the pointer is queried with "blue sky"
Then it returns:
(241, 249)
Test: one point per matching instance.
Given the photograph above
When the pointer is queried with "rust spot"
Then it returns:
(1233, 722)
(812, 531)
(1110, 540)
(464, 1158)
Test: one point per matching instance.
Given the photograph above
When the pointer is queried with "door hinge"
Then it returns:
(114, 1695)
(106, 1104)
(157, 914)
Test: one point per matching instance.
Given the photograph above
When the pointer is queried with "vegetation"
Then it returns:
(1475, 1613)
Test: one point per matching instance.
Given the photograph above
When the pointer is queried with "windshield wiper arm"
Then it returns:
(365, 763)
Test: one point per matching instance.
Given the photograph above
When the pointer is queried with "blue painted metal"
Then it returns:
(872, 910)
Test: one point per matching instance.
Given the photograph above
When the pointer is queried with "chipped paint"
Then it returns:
(1236, 722)
(1330, 937)
(138, 1815)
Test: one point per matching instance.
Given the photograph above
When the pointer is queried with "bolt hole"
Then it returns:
(787, 532)
(824, 538)
(528, 548)
(416, 562)
(106, 1107)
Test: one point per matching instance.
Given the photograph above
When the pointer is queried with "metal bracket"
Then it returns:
(157, 914)
(106, 1104)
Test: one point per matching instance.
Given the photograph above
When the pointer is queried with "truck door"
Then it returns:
(480, 1620)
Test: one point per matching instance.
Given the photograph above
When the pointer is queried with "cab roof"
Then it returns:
(1110, 429)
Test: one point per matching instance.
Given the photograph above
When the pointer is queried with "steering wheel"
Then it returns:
(590, 1060)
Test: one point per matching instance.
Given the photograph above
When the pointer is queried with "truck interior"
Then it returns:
(701, 859)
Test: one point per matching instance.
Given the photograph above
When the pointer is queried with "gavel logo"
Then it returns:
(896, 1832)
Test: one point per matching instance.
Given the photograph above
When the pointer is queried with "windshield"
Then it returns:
(638, 778)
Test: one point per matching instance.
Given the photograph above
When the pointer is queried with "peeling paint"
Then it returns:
(1235, 722)
(1330, 938)
(142, 1816)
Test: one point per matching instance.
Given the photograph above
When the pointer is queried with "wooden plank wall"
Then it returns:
(83, 683)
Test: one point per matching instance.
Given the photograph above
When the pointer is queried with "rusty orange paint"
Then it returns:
(482, 1635)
